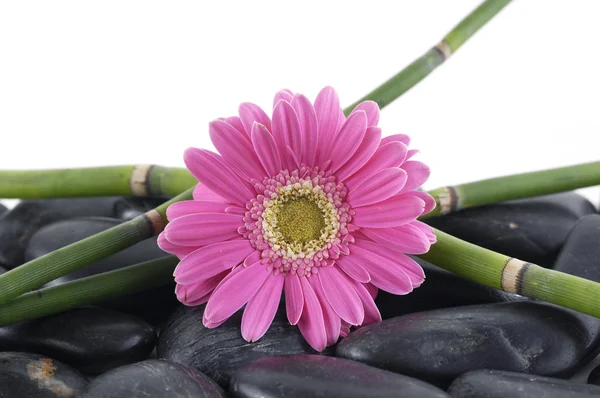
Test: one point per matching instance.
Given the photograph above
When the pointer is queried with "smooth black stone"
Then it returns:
(153, 379)
(127, 208)
(297, 376)
(154, 305)
(218, 352)
(91, 339)
(3, 209)
(441, 289)
(594, 376)
(525, 336)
(499, 384)
(2, 270)
(24, 374)
(532, 230)
(27, 217)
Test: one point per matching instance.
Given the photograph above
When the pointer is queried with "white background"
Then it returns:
(122, 82)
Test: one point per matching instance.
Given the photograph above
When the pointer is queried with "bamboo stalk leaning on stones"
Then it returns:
(476, 263)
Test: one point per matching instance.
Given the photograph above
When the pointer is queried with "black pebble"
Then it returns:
(153, 379)
(90, 339)
(498, 384)
(532, 230)
(298, 376)
(29, 375)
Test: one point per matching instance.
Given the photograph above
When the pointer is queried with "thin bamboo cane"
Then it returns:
(53, 265)
(134, 180)
(89, 291)
(423, 66)
(453, 198)
(513, 275)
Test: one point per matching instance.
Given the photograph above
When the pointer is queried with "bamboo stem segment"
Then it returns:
(518, 186)
(423, 66)
(133, 180)
(513, 275)
(60, 262)
(89, 291)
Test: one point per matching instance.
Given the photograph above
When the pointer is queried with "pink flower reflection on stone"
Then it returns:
(307, 203)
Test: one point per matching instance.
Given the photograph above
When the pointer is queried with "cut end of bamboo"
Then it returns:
(155, 221)
(139, 182)
(444, 49)
(512, 275)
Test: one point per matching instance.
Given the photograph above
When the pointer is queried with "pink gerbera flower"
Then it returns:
(309, 203)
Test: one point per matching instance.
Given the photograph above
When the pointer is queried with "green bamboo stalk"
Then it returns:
(53, 265)
(513, 275)
(453, 198)
(89, 291)
(423, 66)
(133, 180)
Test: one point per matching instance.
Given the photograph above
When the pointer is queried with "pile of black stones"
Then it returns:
(450, 338)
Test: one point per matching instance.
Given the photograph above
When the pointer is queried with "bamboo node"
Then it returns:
(512, 275)
(444, 48)
(138, 182)
(155, 221)
(448, 200)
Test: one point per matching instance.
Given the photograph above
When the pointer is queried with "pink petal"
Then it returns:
(348, 139)
(198, 293)
(381, 186)
(372, 289)
(427, 230)
(341, 295)
(312, 324)
(403, 138)
(329, 117)
(235, 292)
(411, 153)
(252, 258)
(331, 320)
(294, 298)
(393, 212)
(266, 149)
(186, 207)
(179, 251)
(261, 309)
(211, 260)
(203, 229)
(344, 329)
(250, 114)
(202, 193)
(286, 132)
(390, 155)
(418, 173)
(365, 151)
(309, 128)
(211, 170)
(427, 198)
(406, 238)
(284, 94)
(385, 274)
(353, 269)
(408, 265)
(234, 147)
(236, 122)
(371, 109)
(372, 314)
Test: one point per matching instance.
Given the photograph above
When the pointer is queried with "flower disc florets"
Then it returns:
(299, 220)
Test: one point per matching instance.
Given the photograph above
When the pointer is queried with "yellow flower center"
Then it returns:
(300, 220)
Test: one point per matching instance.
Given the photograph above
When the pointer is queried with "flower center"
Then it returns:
(299, 220)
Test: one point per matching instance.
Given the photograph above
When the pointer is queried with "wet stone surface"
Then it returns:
(441, 289)
(154, 305)
(532, 230)
(297, 376)
(92, 340)
(28, 216)
(153, 379)
(499, 384)
(30, 375)
(440, 345)
(218, 352)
